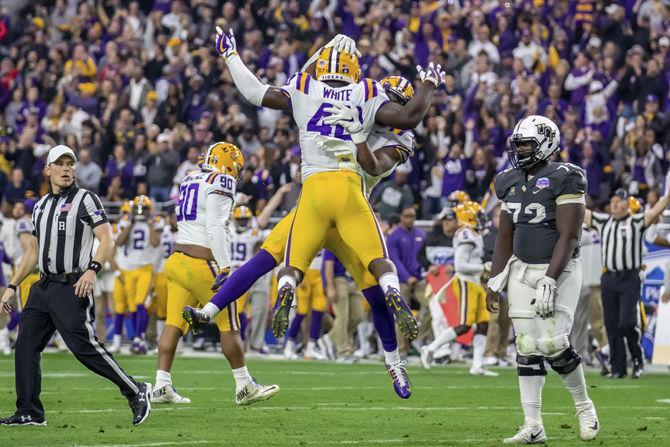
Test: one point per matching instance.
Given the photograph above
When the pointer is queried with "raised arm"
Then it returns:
(411, 114)
(247, 83)
(269, 208)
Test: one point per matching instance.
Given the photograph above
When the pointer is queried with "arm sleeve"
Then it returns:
(245, 81)
(573, 82)
(92, 211)
(573, 187)
(217, 211)
(461, 263)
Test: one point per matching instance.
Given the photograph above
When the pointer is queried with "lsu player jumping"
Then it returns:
(466, 284)
(273, 249)
(138, 239)
(199, 264)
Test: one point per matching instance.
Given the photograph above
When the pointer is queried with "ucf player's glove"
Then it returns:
(545, 295)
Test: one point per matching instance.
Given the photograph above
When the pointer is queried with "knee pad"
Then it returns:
(526, 345)
(530, 365)
(565, 362)
(550, 346)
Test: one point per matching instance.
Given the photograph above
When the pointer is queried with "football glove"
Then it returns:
(345, 44)
(545, 294)
(346, 115)
(220, 278)
(225, 44)
(433, 73)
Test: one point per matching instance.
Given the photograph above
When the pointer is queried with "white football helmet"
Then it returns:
(542, 132)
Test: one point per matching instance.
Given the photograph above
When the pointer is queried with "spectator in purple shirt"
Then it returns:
(404, 244)
(577, 82)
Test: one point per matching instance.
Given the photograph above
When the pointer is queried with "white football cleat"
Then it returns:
(528, 434)
(253, 392)
(290, 350)
(314, 353)
(483, 372)
(166, 394)
(115, 348)
(327, 347)
(426, 357)
(588, 420)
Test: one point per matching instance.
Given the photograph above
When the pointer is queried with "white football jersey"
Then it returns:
(138, 250)
(324, 147)
(168, 241)
(382, 136)
(471, 266)
(23, 225)
(191, 207)
(243, 245)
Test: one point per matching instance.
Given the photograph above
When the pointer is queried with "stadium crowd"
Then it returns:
(137, 91)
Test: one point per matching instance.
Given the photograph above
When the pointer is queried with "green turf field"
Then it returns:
(326, 404)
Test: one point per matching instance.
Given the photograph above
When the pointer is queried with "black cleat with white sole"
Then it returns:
(23, 419)
(140, 404)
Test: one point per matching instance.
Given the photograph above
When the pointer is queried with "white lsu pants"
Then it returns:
(534, 335)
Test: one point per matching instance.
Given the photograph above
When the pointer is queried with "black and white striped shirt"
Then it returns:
(63, 225)
(621, 240)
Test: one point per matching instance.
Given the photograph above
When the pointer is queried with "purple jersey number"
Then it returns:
(239, 250)
(315, 124)
(187, 205)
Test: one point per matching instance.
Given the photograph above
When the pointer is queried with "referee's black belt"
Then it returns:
(62, 277)
(621, 272)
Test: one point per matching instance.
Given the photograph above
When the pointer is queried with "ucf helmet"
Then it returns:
(142, 207)
(543, 135)
(222, 157)
(399, 88)
(333, 65)
(242, 216)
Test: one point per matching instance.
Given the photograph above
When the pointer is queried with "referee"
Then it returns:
(65, 222)
(622, 241)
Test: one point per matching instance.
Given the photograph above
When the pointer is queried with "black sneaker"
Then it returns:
(141, 403)
(23, 419)
(638, 369)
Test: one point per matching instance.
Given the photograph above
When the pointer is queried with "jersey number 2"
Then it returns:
(531, 208)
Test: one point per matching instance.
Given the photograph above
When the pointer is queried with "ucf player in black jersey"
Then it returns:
(536, 256)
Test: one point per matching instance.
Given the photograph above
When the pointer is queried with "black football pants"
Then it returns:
(53, 306)
(621, 298)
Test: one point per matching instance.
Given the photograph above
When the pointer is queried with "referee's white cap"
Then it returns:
(58, 151)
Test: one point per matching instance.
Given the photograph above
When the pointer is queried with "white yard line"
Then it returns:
(149, 444)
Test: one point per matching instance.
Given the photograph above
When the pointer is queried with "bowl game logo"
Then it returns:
(542, 183)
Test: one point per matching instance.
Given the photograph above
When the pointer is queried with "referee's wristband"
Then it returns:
(12, 286)
(95, 266)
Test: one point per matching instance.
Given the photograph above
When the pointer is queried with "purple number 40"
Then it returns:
(315, 124)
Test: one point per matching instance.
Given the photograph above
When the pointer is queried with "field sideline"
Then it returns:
(326, 404)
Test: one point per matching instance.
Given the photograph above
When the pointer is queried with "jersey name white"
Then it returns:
(324, 147)
(475, 243)
(191, 212)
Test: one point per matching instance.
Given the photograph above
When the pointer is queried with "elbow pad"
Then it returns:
(248, 84)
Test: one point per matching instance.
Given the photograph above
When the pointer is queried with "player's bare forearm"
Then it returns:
(502, 250)
(329, 273)
(104, 235)
(367, 159)
(154, 237)
(27, 263)
(567, 218)
(275, 98)
(123, 236)
(588, 217)
(410, 115)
